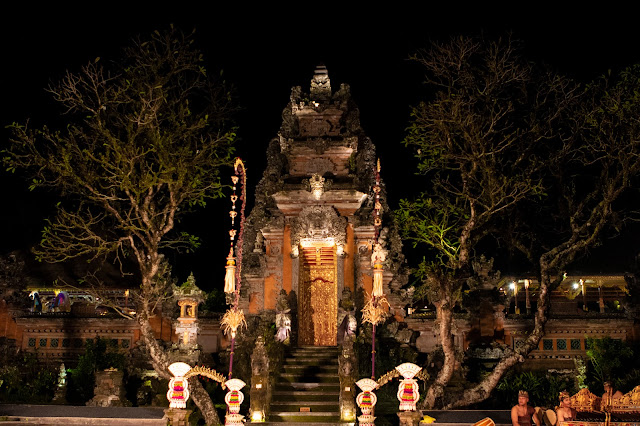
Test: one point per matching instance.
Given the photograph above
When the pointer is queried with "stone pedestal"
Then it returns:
(109, 390)
(346, 370)
(177, 416)
(409, 418)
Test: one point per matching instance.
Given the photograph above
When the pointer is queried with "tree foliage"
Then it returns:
(142, 144)
(513, 153)
(609, 360)
(475, 143)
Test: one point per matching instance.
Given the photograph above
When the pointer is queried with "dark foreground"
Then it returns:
(80, 415)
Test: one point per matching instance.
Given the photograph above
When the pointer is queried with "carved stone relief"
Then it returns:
(320, 166)
(318, 223)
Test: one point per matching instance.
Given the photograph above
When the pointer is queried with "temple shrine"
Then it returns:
(308, 244)
(311, 230)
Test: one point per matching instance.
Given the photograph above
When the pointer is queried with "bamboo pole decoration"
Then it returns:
(234, 318)
(376, 312)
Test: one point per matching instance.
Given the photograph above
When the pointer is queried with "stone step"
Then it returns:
(306, 395)
(319, 352)
(310, 417)
(305, 423)
(314, 406)
(309, 381)
(322, 367)
(299, 386)
(314, 378)
(296, 356)
(311, 361)
(315, 348)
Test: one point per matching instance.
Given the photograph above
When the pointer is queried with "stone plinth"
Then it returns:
(177, 416)
(109, 390)
(409, 418)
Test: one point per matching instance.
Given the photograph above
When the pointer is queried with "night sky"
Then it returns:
(266, 51)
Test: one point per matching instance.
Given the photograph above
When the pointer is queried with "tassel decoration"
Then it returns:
(230, 276)
(377, 280)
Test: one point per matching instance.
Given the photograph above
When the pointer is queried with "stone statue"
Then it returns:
(283, 318)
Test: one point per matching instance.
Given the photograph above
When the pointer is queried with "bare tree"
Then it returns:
(586, 175)
(478, 145)
(143, 143)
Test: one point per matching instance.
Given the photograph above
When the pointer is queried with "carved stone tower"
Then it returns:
(311, 229)
(188, 297)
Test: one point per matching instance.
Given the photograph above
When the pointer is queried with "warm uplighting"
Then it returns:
(512, 286)
(258, 385)
(309, 242)
(347, 415)
(526, 283)
(257, 417)
(576, 285)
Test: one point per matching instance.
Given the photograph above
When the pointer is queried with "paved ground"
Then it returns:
(470, 416)
(80, 415)
(81, 411)
(73, 415)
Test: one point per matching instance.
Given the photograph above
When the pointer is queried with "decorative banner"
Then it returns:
(408, 389)
(233, 399)
(366, 401)
(377, 258)
(178, 392)
(230, 275)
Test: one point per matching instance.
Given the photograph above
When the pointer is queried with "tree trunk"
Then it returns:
(482, 391)
(444, 313)
(160, 362)
(202, 399)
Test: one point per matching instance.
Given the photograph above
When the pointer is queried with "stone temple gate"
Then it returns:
(311, 230)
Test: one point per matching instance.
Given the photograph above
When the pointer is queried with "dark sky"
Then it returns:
(264, 51)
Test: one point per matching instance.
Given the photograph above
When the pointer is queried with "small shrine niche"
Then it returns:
(188, 297)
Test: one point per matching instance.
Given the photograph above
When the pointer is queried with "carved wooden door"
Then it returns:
(318, 298)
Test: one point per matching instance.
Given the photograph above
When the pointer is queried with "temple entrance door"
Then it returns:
(318, 295)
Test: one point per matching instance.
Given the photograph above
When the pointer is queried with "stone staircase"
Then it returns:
(308, 390)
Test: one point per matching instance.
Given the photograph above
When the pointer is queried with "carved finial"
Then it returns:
(320, 84)
(317, 185)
